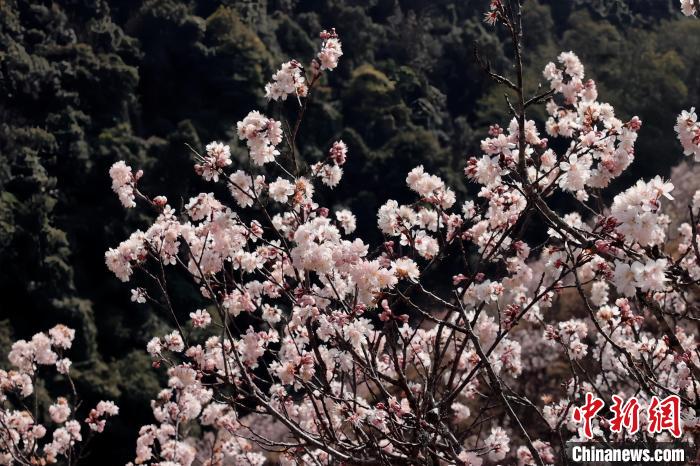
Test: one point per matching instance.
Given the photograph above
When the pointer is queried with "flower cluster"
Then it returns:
(287, 80)
(330, 171)
(43, 349)
(124, 183)
(187, 399)
(119, 260)
(688, 131)
(218, 156)
(636, 212)
(24, 439)
(649, 276)
(495, 12)
(261, 134)
(602, 146)
(314, 346)
(290, 78)
(331, 50)
(689, 7)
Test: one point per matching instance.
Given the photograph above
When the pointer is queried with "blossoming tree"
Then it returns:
(315, 347)
(22, 433)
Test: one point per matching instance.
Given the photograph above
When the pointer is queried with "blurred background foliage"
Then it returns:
(84, 83)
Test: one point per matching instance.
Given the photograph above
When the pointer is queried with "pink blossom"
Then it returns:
(331, 50)
(200, 318)
(124, 182)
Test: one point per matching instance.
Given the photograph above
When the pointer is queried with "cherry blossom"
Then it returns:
(124, 182)
(314, 345)
(218, 156)
(331, 50)
(688, 131)
(261, 134)
(287, 80)
(689, 7)
(24, 439)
